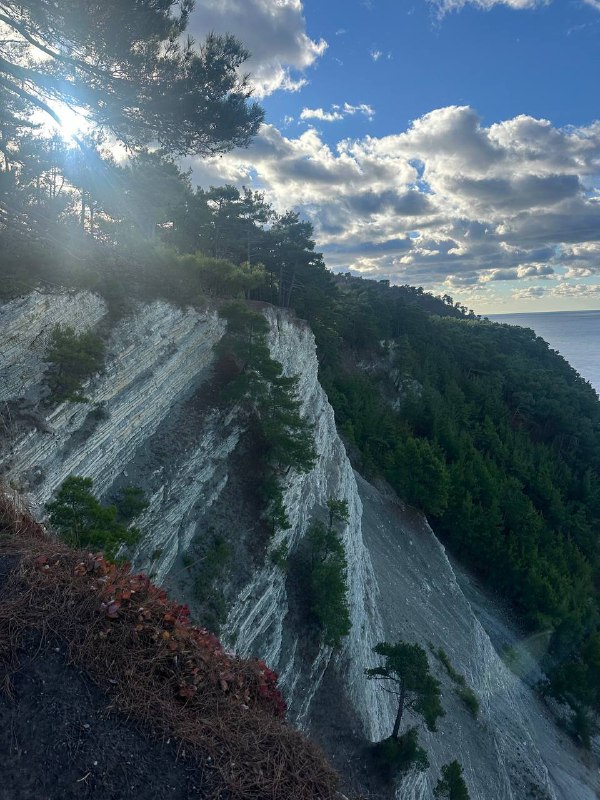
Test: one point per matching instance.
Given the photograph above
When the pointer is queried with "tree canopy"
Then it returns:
(126, 66)
(407, 669)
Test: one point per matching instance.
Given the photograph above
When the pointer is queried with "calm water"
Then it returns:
(575, 334)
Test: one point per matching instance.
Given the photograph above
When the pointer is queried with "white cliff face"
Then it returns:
(257, 621)
(154, 358)
(513, 750)
(25, 327)
(158, 435)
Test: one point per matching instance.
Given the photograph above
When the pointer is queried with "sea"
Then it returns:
(575, 334)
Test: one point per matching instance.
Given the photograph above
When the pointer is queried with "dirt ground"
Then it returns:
(59, 741)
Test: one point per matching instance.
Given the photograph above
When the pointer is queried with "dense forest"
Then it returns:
(480, 425)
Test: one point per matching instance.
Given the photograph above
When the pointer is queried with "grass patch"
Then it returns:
(469, 698)
(466, 694)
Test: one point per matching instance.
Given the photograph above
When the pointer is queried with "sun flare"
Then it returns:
(73, 124)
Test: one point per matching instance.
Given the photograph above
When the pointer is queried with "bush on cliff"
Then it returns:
(328, 587)
(83, 522)
(73, 358)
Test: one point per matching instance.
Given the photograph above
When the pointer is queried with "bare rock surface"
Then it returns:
(513, 750)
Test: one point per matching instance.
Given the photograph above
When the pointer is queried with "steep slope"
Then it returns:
(158, 431)
(512, 750)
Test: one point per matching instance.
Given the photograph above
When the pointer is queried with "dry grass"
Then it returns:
(139, 647)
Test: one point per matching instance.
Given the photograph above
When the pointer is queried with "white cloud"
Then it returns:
(274, 31)
(445, 6)
(321, 114)
(540, 271)
(448, 199)
(577, 290)
(531, 293)
(376, 55)
(337, 112)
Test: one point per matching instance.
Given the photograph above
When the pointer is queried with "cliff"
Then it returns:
(149, 423)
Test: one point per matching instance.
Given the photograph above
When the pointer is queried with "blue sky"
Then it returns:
(452, 144)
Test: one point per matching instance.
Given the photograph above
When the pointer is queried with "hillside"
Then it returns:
(167, 426)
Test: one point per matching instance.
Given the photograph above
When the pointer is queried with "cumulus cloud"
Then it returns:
(446, 202)
(274, 31)
(543, 271)
(563, 290)
(337, 112)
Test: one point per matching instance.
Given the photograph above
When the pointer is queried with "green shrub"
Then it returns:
(328, 577)
(469, 698)
(73, 358)
(466, 694)
(84, 523)
(451, 786)
(393, 757)
(130, 503)
(279, 556)
(456, 676)
(270, 401)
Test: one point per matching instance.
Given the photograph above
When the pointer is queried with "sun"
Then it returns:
(73, 123)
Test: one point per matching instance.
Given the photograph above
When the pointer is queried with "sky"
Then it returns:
(449, 144)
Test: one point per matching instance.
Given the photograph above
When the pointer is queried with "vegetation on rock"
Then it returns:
(406, 669)
(270, 402)
(83, 522)
(73, 358)
(466, 694)
(451, 785)
(328, 580)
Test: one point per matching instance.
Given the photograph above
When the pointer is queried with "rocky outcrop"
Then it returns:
(147, 424)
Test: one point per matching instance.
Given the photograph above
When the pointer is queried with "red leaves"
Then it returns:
(112, 610)
(191, 661)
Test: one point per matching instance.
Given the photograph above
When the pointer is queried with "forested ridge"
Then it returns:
(478, 424)
(497, 439)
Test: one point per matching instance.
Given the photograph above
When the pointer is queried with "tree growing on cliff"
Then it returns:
(72, 358)
(451, 785)
(328, 575)
(84, 523)
(407, 670)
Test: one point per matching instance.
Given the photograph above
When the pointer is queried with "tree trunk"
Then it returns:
(399, 713)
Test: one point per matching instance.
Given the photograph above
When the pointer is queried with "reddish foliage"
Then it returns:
(140, 646)
(190, 656)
